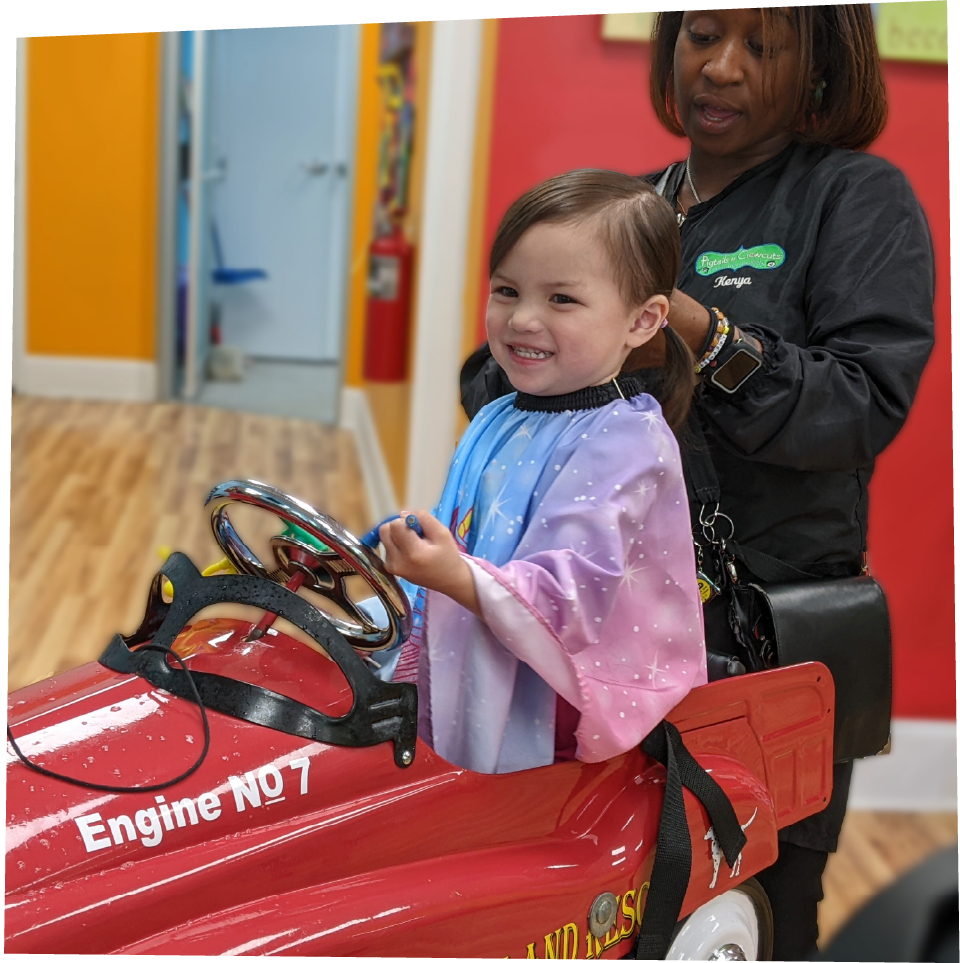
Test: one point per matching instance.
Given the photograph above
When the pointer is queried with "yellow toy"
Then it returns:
(223, 567)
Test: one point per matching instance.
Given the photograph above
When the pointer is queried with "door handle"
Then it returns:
(315, 168)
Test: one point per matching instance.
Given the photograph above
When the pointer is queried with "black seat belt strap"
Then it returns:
(673, 859)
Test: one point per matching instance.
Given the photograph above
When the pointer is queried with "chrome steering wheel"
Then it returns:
(320, 567)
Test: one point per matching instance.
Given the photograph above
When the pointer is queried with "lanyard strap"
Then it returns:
(698, 465)
(704, 485)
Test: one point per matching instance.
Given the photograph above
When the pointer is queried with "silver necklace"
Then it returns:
(682, 214)
(696, 196)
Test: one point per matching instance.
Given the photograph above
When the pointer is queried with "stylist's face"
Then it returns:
(735, 93)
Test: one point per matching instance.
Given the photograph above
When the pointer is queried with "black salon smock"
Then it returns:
(836, 281)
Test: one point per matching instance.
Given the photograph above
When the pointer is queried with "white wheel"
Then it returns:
(737, 925)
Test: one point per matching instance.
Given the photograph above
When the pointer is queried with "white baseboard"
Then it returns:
(355, 416)
(919, 774)
(102, 379)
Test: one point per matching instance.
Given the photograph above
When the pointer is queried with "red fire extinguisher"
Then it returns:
(388, 308)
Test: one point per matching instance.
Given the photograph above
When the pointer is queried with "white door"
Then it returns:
(282, 106)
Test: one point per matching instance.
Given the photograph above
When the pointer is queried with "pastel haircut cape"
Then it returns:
(576, 528)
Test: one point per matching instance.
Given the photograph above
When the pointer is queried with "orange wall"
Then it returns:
(91, 195)
(364, 197)
(389, 403)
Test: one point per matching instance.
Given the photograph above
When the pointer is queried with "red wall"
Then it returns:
(564, 99)
(911, 512)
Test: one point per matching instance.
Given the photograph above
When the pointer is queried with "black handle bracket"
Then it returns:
(381, 711)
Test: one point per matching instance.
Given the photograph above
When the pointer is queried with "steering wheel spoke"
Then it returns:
(242, 559)
(339, 595)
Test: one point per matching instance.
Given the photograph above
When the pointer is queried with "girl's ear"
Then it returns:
(648, 318)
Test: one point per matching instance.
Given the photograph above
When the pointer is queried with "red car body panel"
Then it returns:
(281, 845)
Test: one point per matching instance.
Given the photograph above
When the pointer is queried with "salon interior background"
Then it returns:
(179, 190)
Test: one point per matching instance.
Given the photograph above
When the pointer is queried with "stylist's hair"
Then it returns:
(642, 240)
(837, 47)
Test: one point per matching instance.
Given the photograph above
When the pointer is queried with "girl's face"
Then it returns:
(556, 321)
(734, 94)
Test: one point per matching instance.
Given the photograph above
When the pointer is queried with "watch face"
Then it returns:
(734, 372)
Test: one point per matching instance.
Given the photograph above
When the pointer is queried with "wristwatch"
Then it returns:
(744, 359)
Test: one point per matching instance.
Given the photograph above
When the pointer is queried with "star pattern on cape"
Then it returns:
(655, 669)
(579, 551)
(496, 506)
(629, 577)
(651, 419)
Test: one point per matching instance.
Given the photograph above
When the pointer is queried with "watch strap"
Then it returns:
(740, 344)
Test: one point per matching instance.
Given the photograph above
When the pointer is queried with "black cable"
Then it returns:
(163, 785)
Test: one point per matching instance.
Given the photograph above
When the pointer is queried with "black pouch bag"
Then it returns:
(842, 623)
(796, 617)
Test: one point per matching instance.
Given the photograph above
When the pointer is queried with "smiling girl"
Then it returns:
(558, 611)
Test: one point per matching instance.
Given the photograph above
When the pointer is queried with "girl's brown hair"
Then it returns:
(640, 234)
(837, 48)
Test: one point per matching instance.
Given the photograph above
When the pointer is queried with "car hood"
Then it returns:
(100, 726)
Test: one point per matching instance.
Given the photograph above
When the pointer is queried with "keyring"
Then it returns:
(708, 524)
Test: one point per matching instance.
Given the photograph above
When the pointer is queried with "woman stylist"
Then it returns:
(806, 297)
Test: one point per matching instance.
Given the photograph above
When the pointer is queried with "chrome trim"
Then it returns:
(729, 951)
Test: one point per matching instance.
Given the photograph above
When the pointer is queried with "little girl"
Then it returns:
(558, 613)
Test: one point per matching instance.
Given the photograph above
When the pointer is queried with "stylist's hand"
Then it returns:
(690, 319)
(433, 561)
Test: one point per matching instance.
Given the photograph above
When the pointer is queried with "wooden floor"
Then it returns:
(99, 489)
(875, 849)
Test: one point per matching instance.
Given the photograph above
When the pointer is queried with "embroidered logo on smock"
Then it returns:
(763, 257)
(461, 528)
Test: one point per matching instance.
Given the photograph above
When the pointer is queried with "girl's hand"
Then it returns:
(433, 561)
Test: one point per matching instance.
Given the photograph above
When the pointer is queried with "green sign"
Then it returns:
(763, 257)
(913, 31)
(905, 31)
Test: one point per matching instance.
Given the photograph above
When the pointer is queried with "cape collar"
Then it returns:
(595, 396)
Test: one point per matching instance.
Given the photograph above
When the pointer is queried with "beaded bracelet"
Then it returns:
(710, 339)
(710, 342)
(719, 339)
